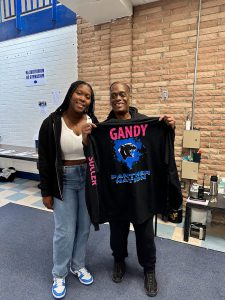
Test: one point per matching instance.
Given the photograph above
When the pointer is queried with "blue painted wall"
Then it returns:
(37, 22)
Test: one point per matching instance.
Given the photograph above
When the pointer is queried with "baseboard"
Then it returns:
(27, 175)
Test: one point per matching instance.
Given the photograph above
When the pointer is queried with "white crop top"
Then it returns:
(71, 144)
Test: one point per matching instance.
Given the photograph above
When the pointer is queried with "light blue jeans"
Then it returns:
(72, 223)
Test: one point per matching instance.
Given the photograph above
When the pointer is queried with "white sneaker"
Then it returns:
(58, 288)
(83, 275)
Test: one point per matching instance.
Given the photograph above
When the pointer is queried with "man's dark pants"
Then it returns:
(146, 250)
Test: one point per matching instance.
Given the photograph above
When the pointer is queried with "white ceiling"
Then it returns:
(140, 2)
(102, 11)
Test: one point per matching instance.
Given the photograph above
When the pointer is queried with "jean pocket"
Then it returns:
(69, 170)
(83, 172)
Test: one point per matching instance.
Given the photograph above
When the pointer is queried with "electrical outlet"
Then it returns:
(182, 184)
(165, 94)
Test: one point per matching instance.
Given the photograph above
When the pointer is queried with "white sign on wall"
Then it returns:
(35, 77)
(56, 97)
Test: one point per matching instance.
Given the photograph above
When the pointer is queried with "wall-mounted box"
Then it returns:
(191, 139)
(189, 170)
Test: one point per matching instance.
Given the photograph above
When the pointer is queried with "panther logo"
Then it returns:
(127, 150)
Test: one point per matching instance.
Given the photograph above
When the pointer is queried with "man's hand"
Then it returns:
(170, 121)
(86, 130)
(48, 202)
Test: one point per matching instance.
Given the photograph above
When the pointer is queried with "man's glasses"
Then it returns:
(115, 95)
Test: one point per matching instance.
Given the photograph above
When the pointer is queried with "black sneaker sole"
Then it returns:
(117, 280)
(151, 294)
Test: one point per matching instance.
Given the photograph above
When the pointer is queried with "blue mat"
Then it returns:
(183, 271)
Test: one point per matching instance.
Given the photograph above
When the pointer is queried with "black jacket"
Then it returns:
(50, 155)
(131, 170)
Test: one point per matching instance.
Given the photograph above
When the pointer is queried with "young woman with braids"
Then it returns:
(62, 168)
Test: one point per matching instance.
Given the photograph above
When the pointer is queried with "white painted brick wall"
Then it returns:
(54, 50)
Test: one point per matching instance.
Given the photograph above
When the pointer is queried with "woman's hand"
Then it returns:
(48, 202)
(86, 129)
(170, 121)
